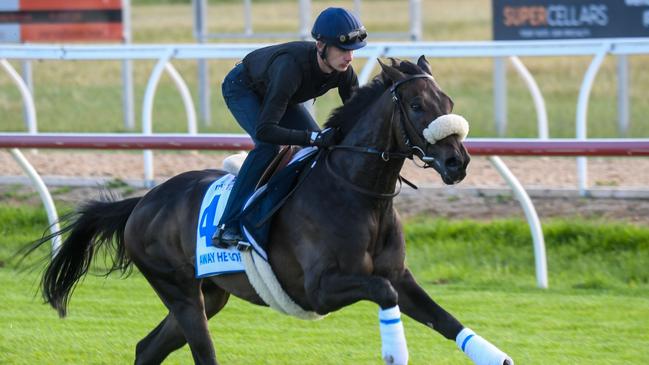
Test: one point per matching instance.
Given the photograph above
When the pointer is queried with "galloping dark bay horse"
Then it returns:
(337, 240)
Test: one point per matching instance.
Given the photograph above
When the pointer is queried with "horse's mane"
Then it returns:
(345, 116)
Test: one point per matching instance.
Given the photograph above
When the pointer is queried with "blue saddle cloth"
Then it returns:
(256, 217)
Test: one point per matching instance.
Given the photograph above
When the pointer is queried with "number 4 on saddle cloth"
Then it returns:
(255, 218)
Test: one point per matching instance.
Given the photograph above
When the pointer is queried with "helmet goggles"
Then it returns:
(357, 35)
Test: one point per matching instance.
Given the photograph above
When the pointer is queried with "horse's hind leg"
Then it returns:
(160, 342)
(168, 336)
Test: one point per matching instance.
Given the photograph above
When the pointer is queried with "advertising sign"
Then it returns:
(60, 20)
(569, 19)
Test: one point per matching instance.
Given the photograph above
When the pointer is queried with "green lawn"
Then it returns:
(108, 317)
(595, 312)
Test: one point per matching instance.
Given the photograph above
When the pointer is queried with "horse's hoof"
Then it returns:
(388, 360)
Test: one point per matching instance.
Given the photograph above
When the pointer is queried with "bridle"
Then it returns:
(410, 143)
(412, 140)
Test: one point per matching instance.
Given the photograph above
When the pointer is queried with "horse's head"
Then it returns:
(426, 126)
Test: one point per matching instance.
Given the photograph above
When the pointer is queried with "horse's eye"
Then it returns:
(415, 107)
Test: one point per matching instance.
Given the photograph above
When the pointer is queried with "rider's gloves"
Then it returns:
(324, 138)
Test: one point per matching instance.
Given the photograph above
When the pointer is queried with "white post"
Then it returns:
(29, 81)
(44, 193)
(28, 100)
(540, 261)
(247, 17)
(357, 8)
(623, 95)
(537, 97)
(500, 95)
(37, 182)
(305, 19)
(582, 112)
(147, 113)
(305, 34)
(186, 96)
(415, 21)
(127, 69)
(372, 61)
(200, 34)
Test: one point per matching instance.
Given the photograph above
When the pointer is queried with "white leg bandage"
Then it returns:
(481, 351)
(393, 340)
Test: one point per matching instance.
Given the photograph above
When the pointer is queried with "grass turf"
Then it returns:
(482, 272)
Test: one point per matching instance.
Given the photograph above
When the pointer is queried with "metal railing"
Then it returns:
(165, 54)
(488, 147)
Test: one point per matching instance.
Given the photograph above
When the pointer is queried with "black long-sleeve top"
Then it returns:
(288, 74)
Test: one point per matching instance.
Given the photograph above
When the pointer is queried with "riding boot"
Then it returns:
(225, 237)
(229, 231)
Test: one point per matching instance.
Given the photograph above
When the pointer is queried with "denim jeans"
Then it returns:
(245, 106)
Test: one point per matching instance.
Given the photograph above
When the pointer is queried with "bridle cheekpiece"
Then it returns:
(440, 128)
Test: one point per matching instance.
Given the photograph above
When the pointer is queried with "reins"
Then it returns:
(384, 155)
(407, 133)
(358, 188)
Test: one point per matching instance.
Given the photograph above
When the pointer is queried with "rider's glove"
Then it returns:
(324, 138)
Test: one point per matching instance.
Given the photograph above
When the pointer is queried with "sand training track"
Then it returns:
(482, 195)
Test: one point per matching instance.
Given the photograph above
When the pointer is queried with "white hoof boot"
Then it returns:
(481, 351)
(393, 340)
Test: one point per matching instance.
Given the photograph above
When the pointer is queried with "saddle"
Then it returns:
(279, 162)
(275, 188)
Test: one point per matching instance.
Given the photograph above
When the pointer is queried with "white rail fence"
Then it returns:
(487, 147)
(165, 54)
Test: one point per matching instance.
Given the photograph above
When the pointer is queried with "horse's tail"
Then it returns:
(95, 224)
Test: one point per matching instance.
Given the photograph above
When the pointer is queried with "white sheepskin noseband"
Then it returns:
(445, 125)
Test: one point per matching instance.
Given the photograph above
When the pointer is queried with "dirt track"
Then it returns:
(482, 195)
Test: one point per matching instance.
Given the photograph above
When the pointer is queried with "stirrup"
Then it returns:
(216, 237)
(243, 246)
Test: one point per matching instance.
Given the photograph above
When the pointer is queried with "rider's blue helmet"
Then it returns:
(339, 27)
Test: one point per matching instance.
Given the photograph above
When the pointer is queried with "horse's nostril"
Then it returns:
(452, 164)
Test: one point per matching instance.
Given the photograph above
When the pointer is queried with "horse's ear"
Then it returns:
(391, 72)
(424, 65)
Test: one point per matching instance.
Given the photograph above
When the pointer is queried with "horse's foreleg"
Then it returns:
(332, 291)
(416, 304)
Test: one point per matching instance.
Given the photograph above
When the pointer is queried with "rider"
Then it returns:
(264, 93)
